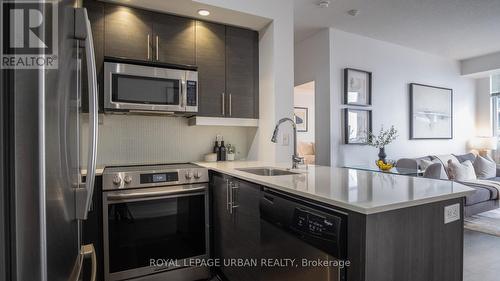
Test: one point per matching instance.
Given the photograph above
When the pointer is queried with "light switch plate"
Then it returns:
(451, 213)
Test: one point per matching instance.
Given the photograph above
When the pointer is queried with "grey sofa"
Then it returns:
(484, 199)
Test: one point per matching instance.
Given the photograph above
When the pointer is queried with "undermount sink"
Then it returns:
(267, 171)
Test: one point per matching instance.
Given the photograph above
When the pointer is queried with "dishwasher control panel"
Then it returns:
(319, 226)
(316, 224)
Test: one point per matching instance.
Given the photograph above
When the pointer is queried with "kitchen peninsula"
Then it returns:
(398, 227)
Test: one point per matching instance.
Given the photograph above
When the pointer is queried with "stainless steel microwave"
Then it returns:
(149, 89)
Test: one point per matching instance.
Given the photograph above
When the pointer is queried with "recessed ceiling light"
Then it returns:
(353, 12)
(203, 12)
(324, 3)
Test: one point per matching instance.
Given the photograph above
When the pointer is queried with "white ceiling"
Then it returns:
(190, 8)
(455, 29)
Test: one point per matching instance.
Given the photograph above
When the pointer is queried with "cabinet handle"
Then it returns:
(227, 195)
(149, 48)
(223, 104)
(157, 58)
(230, 105)
(234, 187)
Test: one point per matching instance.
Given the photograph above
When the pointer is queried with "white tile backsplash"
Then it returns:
(139, 139)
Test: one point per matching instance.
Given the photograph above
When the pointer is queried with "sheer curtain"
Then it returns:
(495, 95)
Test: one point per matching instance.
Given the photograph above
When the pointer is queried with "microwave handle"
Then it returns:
(84, 193)
(183, 100)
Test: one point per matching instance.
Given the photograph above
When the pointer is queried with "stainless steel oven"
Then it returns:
(155, 222)
(151, 89)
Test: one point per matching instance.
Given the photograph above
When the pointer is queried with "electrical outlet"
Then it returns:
(286, 139)
(451, 213)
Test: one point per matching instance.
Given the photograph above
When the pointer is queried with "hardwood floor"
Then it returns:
(481, 256)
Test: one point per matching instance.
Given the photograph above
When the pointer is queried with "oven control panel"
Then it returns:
(153, 176)
(159, 177)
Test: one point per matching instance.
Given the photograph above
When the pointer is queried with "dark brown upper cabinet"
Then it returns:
(227, 57)
(128, 32)
(173, 39)
(211, 62)
(227, 60)
(242, 62)
(143, 35)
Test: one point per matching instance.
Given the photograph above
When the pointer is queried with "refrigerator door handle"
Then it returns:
(83, 31)
(86, 251)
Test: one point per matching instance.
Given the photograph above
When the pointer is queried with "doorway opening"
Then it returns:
(304, 115)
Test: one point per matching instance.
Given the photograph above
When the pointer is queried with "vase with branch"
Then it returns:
(380, 141)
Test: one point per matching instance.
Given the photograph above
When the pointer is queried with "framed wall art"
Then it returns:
(357, 124)
(300, 115)
(357, 87)
(431, 112)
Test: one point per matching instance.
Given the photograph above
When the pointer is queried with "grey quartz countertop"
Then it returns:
(360, 191)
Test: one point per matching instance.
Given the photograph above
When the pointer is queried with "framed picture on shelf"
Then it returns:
(357, 124)
(431, 112)
(357, 87)
(301, 118)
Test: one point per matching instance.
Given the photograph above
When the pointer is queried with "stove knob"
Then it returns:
(127, 179)
(189, 175)
(197, 175)
(117, 180)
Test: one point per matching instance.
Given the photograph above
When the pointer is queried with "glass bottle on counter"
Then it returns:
(222, 151)
(217, 149)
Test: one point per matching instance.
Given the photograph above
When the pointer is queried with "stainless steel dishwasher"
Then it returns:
(294, 229)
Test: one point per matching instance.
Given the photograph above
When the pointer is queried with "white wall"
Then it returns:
(136, 139)
(304, 97)
(275, 72)
(312, 63)
(393, 68)
(484, 125)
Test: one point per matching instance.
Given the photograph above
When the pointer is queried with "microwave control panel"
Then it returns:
(191, 95)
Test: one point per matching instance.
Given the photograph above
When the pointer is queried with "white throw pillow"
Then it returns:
(485, 167)
(461, 171)
(445, 158)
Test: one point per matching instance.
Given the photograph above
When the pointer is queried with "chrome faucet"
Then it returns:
(296, 159)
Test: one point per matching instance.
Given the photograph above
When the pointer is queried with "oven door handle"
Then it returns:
(148, 194)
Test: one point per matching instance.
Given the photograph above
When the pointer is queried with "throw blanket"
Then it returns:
(482, 183)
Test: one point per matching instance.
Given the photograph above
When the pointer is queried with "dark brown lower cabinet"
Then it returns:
(411, 244)
(236, 224)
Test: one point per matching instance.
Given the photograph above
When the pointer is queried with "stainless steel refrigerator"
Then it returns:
(43, 199)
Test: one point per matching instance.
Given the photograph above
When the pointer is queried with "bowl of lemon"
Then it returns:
(385, 165)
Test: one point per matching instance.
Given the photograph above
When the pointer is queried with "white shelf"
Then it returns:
(219, 121)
